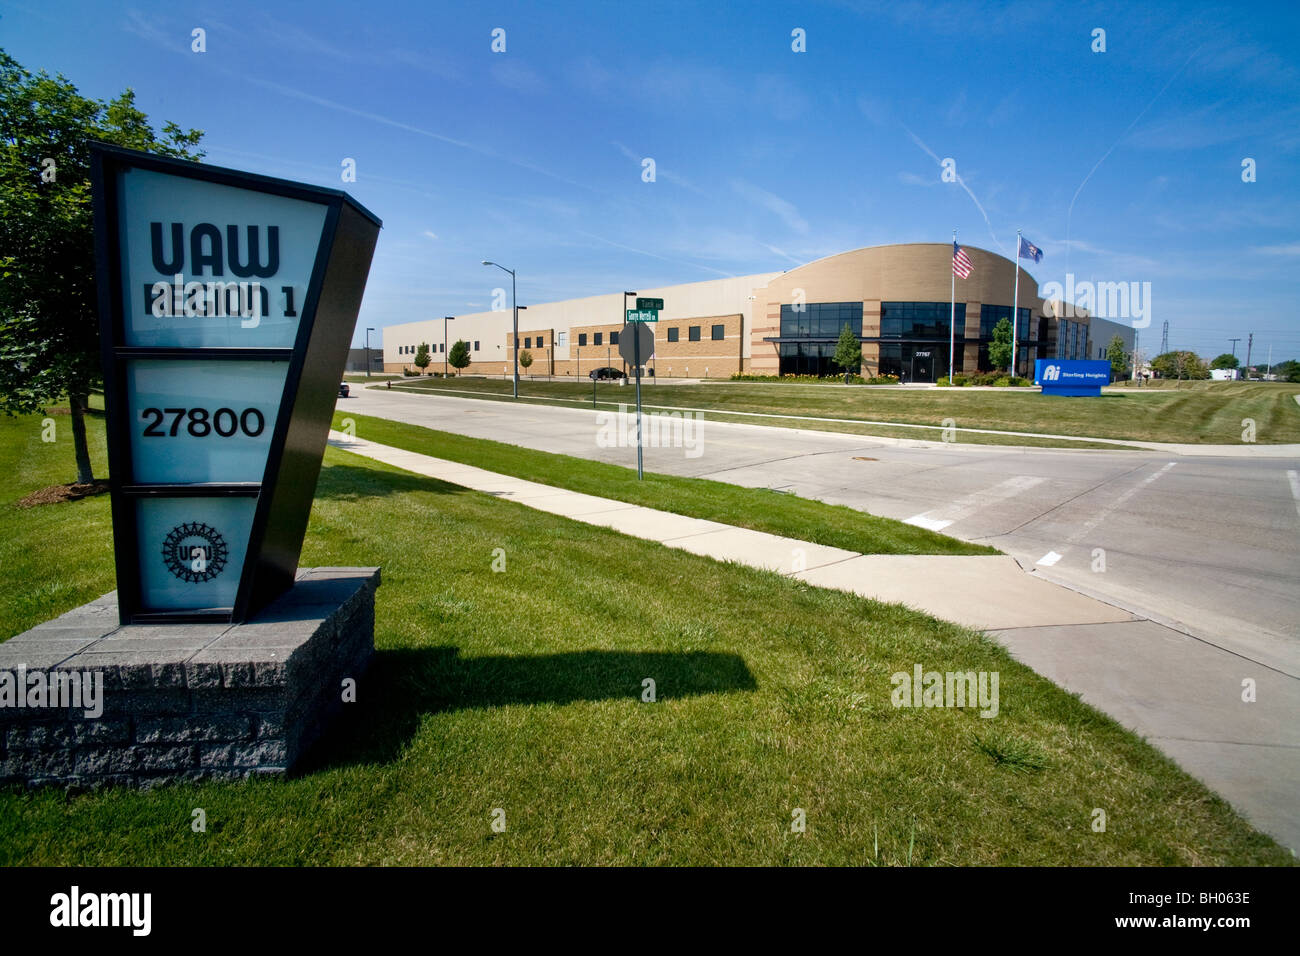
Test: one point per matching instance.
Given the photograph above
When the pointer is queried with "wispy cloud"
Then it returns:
(961, 182)
(773, 203)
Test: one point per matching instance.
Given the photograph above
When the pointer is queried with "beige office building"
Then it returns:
(894, 298)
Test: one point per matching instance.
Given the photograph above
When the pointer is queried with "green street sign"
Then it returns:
(643, 315)
(655, 304)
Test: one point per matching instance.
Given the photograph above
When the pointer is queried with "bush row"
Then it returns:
(994, 379)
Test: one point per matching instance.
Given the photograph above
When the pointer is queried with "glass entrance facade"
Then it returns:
(914, 339)
(809, 333)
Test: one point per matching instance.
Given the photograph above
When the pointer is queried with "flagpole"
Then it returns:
(1015, 310)
(952, 314)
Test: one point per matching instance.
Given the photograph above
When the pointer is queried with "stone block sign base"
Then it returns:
(182, 701)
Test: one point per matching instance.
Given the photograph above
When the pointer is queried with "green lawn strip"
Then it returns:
(521, 690)
(758, 508)
(1197, 413)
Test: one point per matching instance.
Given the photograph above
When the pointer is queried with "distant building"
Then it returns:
(895, 299)
(356, 363)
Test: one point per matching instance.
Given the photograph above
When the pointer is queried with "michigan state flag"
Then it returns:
(1029, 251)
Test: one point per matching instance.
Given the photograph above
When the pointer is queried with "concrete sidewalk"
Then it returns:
(1181, 693)
(985, 592)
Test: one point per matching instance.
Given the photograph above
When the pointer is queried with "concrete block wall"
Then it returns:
(188, 701)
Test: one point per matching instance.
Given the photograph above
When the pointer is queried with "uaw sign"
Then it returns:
(1071, 376)
(227, 303)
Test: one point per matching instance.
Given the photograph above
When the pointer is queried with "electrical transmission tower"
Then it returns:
(1164, 339)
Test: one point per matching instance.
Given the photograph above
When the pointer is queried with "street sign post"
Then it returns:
(643, 315)
(227, 302)
(636, 344)
(652, 304)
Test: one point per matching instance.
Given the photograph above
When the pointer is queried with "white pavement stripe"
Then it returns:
(938, 518)
(1049, 559)
(1295, 481)
(921, 521)
(1087, 527)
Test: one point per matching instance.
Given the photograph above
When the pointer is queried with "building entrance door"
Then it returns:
(922, 366)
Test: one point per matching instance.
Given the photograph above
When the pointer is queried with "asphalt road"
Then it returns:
(1209, 546)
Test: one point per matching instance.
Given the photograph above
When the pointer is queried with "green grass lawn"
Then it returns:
(759, 508)
(1197, 412)
(521, 690)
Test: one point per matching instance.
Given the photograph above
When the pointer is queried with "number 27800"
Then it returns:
(200, 423)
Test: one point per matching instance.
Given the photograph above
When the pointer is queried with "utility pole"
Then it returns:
(1135, 377)
(1250, 340)
(1234, 345)
(1164, 339)
(1270, 360)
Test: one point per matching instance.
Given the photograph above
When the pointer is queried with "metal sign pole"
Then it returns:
(636, 350)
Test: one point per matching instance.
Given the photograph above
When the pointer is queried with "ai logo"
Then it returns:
(194, 552)
(1052, 373)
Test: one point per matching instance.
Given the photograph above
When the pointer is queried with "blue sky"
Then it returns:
(1121, 166)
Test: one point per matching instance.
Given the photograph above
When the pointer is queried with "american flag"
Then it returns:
(961, 264)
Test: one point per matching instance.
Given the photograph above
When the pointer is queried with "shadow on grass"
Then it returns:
(346, 482)
(402, 686)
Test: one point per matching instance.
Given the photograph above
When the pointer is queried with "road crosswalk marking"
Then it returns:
(936, 519)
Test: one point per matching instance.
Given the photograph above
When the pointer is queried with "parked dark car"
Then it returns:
(344, 390)
(605, 374)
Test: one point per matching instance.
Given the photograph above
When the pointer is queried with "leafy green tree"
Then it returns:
(1118, 358)
(1226, 360)
(422, 358)
(1180, 364)
(1000, 347)
(525, 359)
(1288, 371)
(848, 352)
(458, 357)
(49, 329)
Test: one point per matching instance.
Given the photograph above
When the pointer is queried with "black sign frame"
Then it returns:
(327, 320)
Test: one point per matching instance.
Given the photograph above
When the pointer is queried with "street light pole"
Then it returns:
(368, 331)
(446, 352)
(514, 307)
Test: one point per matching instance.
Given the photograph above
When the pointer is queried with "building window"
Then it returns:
(442, 346)
(596, 337)
(476, 345)
(922, 320)
(528, 343)
(693, 333)
(540, 343)
(672, 334)
(613, 338)
(820, 320)
(718, 333)
(561, 339)
(582, 338)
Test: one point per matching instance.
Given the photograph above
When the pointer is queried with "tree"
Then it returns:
(1288, 371)
(1000, 347)
(1226, 360)
(848, 352)
(1117, 357)
(458, 357)
(422, 358)
(525, 359)
(49, 330)
(1180, 364)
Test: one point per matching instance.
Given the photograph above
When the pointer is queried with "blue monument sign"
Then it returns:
(227, 304)
(1071, 376)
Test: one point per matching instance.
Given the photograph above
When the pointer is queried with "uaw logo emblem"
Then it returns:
(194, 552)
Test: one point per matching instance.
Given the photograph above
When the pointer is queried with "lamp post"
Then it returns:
(368, 331)
(446, 353)
(518, 309)
(514, 307)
